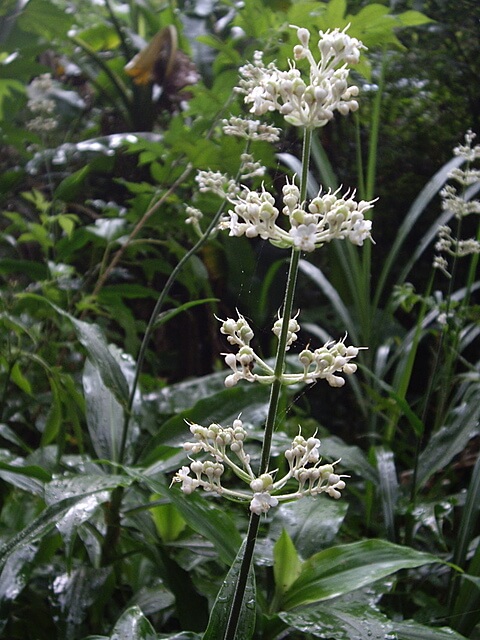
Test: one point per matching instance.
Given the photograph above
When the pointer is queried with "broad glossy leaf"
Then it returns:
(133, 625)
(73, 593)
(219, 616)
(105, 415)
(77, 485)
(352, 458)
(25, 476)
(312, 523)
(38, 528)
(90, 490)
(16, 571)
(342, 621)
(343, 569)
(411, 630)
(388, 488)
(251, 401)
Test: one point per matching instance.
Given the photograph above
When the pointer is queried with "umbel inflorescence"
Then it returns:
(225, 447)
(307, 99)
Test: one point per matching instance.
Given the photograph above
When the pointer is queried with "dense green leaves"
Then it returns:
(95, 540)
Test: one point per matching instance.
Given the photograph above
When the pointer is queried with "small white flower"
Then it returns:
(250, 129)
(262, 502)
(304, 236)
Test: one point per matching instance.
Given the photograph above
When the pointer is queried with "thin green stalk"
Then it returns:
(153, 318)
(406, 371)
(236, 607)
(366, 311)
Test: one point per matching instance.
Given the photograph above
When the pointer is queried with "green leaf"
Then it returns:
(164, 317)
(31, 471)
(342, 621)
(412, 18)
(54, 417)
(19, 379)
(411, 630)
(221, 609)
(451, 439)
(41, 526)
(168, 520)
(343, 569)
(8, 87)
(211, 521)
(105, 416)
(312, 524)
(226, 406)
(70, 187)
(74, 594)
(16, 571)
(133, 625)
(286, 563)
(388, 488)
(94, 342)
(101, 37)
(90, 492)
(45, 19)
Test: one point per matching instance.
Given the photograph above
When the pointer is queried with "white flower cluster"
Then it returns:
(41, 105)
(304, 468)
(320, 364)
(455, 202)
(250, 129)
(311, 102)
(329, 216)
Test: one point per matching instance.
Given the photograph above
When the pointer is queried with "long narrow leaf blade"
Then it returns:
(343, 569)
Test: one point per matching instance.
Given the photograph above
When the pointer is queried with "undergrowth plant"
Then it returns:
(114, 522)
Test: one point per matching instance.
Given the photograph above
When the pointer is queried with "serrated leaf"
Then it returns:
(412, 18)
(345, 568)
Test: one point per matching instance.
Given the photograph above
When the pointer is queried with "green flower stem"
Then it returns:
(236, 607)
